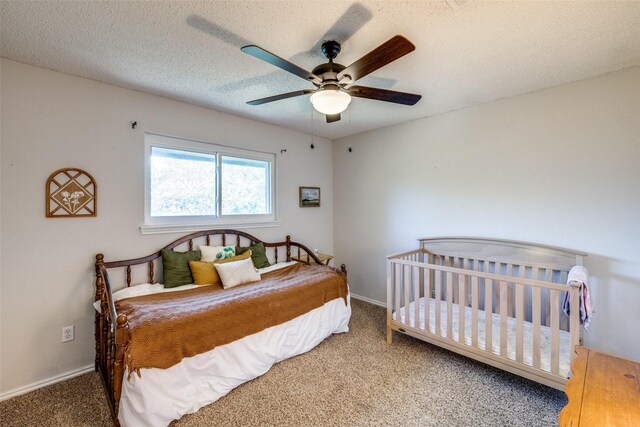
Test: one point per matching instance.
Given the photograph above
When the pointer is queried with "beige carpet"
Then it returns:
(352, 379)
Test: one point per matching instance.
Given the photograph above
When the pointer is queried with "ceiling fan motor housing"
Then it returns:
(331, 49)
(328, 72)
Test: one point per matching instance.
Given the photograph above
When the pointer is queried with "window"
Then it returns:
(182, 183)
(195, 185)
(245, 186)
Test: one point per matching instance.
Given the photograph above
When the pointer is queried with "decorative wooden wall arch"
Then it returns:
(71, 192)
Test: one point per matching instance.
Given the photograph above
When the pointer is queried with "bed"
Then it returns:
(496, 301)
(163, 353)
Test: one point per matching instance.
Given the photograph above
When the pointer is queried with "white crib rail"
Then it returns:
(483, 287)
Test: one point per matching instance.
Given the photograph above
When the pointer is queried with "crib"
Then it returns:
(495, 301)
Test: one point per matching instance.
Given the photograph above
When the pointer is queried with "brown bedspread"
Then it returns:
(167, 327)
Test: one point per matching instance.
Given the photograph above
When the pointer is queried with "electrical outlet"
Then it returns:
(68, 333)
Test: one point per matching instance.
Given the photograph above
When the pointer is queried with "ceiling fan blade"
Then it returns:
(384, 95)
(333, 117)
(281, 96)
(272, 59)
(394, 48)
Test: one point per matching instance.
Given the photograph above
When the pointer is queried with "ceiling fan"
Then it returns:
(333, 81)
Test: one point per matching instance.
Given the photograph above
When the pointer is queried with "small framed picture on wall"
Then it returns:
(309, 197)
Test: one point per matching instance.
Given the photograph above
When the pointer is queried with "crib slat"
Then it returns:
(496, 290)
(438, 280)
(549, 275)
(555, 331)
(468, 265)
(503, 318)
(519, 320)
(427, 299)
(397, 288)
(462, 279)
(547, 301)
(390, 266)
(481, 286)
(474, 311)
(455, 263)
(527, 295)
(510, 308)
(488, 310)
(424, 260)
(574, 329)
(564, 320)
(406, 283)
(416, 296)
(449, 296)
(536, 317)
(523, 307)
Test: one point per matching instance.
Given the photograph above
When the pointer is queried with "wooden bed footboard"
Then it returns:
(112, 328)
(499, 302)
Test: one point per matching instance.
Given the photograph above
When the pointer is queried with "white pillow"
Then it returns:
(216, 253)
(237, 273)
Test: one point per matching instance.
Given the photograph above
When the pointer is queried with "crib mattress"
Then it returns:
(545, 334)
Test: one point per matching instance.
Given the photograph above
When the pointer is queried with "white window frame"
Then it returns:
(168, 224)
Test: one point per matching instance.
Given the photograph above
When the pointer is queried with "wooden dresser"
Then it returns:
(604, 391)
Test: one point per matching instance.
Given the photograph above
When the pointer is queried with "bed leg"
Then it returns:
(122, 340)
(389, 335)
(99, 318)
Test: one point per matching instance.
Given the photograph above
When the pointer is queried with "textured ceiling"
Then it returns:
(468, 52)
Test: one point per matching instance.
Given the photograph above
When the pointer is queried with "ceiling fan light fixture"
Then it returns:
(330, 101)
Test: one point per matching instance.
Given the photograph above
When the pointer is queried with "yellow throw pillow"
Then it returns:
(204, 272)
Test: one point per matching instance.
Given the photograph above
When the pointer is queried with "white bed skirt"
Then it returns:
(162, 395)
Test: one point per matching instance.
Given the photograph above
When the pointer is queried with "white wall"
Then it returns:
(558, 167)
(52, 120)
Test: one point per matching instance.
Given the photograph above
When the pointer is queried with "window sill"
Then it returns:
(175, 228)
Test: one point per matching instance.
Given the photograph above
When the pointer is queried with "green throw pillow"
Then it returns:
(258, 254)
(175, 267)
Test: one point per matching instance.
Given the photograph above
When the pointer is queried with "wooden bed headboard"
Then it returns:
(224, 237)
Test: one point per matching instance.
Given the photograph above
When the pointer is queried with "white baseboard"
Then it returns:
(369, 300)
(39, 384)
